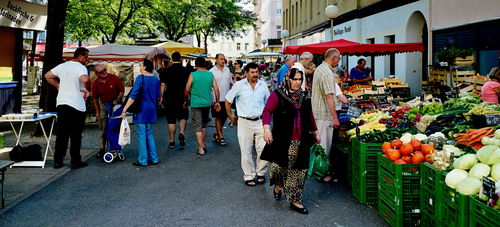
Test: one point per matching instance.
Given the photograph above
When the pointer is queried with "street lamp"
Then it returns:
(332, 12)
(264, 41)
(284, 35)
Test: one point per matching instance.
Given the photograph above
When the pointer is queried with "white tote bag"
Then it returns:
(124, 137)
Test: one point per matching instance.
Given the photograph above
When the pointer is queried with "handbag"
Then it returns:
(318, 162)
(136, 106)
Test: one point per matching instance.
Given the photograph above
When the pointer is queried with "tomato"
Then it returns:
(400, 161)
(406, 149)
(428, 158)
(427, 149)
(397, 143)
(386, 146)
(406, 158)
(417, 158)
(393, 154)
(416, 145)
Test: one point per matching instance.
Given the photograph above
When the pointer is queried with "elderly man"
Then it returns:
(289, 61)
(222, 76)
(305, 60)
(107, 91)
(250, 95)
(72, 81)
(324, 93)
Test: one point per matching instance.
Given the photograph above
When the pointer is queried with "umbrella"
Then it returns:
(182, 48)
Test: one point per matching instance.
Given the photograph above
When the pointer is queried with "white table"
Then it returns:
(41, 116)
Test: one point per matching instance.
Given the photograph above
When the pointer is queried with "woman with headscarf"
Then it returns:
(288, 143)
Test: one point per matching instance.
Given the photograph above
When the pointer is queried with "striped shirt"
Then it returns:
(323, 84)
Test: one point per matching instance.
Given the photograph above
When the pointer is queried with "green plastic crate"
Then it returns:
(454, 207)
(364, 171)
(398, 192)
(2, 140)
(430, 205)
(482, 215)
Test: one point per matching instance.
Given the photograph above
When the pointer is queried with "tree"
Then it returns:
(107, 18)
(53, 50)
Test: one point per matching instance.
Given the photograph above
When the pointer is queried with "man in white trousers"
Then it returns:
(250, 95)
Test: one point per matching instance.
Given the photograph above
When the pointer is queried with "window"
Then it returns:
(246, 46)
(278, 34)
(278, 27)
(278, 11)
(292, 22)
(311, 9)
(296, 14)
(238, 46)
(390, 61)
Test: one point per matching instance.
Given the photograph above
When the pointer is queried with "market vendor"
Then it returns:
(491, 89)
(360, 74)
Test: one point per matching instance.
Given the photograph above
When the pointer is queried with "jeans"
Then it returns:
(70, 123)
(146, 143)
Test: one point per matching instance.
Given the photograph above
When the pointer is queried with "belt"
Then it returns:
(252, 118)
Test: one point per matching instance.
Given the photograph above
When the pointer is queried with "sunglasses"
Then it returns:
(102, 71)
(295, 79)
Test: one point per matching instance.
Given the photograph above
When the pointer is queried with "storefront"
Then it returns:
(15, 17)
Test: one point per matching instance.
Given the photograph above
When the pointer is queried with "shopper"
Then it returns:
(323, 102)
(149, 88)
(238, 73)
(250, 96)
(491, 89)
(199, 87)
(305, 59)
(288, 144)
(222, 76)
(107, 91)
(173, 82)
(289, 61)
(73, 83)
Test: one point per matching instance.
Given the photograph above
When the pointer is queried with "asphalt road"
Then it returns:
(183, 190)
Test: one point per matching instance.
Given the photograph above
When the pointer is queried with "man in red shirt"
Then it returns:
(106, 88)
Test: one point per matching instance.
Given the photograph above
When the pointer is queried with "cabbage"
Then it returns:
(452, 149)
(489, 154)
(490, 141)
(469, 186)
(497, 134)
(454, 177)
(479, 171)
(495, 171)
(465, 162)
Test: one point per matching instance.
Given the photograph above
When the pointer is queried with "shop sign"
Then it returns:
(341, 31)
(21, 14)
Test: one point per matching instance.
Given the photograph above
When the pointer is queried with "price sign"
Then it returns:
(492, 119)
(388, 91)
(353, 111)
(382, 99)
(374, 87)
(488, 187)
(352, 102)
(437, 141)
(345, 85)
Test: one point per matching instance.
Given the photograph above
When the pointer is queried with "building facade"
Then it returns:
(270, 24)
(232, 48)
(366, 21)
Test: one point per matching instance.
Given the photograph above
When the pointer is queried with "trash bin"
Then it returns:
(7, 99)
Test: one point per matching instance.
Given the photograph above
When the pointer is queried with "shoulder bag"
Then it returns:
(136, 106)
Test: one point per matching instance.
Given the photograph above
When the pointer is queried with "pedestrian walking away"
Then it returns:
(198, 88)
(73, 86)
(289, 62)
(173, 83)
(224, 82)
(146, 91)
(323, 102)
(107, 90)
(250, 95)
(287, 145)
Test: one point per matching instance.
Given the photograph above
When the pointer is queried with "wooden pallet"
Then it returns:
(469, 60)
(457, 76)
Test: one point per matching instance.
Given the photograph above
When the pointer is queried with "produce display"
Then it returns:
(408, 149)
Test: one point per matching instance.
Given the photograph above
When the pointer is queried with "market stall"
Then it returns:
(182, 48)
(427, 161)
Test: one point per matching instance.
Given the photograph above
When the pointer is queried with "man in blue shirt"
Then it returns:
(359, 74)
(250, 95)
(289, 61)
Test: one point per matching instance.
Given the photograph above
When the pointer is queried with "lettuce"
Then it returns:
(489, 154)
(469, 186)
(479, 171)
(465, 162)
(454, 177)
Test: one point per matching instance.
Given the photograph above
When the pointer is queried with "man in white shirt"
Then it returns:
(305, 59)
(73, 86)
(250, 95)
(222, 76)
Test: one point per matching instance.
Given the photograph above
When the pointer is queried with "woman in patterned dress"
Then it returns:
(288, 143)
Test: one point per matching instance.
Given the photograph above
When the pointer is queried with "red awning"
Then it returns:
(354, 48)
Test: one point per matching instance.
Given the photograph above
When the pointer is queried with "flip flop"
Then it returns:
(248, 183)
(222, 142)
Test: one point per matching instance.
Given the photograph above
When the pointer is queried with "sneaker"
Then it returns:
(79, 165)
(171, 145)
(100, 154)
(182, 139)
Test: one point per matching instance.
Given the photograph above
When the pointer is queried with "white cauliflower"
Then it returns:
(406, 138)
(420, 137)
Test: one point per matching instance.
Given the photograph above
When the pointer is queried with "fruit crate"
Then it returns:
(482, 215)
(398, 192)
(430, 182)
(364, 171)
(454, 207)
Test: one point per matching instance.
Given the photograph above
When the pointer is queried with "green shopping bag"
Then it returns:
(318, 162)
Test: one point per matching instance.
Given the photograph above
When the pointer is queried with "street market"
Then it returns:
(249, 113)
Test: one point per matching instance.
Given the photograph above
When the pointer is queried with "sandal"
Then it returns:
(216, 137)
(250, 183)
(222, 141)
(261, 179)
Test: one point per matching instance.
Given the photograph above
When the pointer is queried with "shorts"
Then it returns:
(222, 113)
(103, 122)
(175, 112)
(199, 117)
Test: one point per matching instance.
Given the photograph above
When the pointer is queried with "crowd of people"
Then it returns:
(303, 107)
